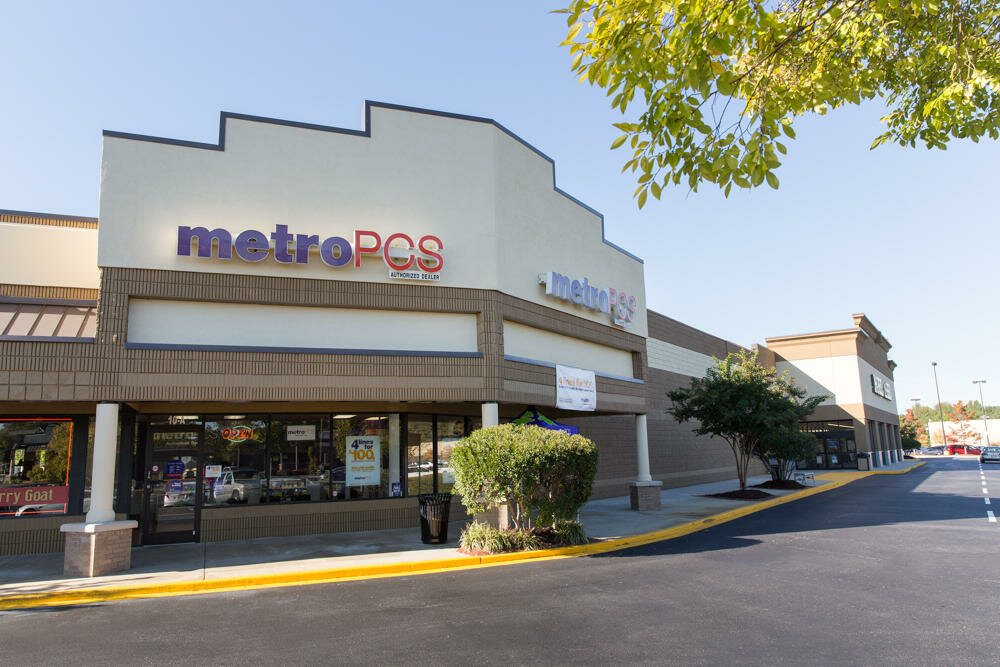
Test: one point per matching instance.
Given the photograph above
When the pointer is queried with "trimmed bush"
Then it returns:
(479, 536)
(542, 475)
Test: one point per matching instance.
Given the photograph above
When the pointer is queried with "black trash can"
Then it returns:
(434, 510)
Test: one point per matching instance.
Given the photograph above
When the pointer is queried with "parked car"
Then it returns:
(237, 485)
(178, 493)
(990, 455)
(963, 449)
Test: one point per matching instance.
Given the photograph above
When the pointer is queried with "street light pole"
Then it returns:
(986, 424)
(944, 438)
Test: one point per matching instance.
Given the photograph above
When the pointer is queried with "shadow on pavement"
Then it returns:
(873, 501)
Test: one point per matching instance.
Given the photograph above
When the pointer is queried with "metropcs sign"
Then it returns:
(405, 259)
(881, 387)
(616, 303)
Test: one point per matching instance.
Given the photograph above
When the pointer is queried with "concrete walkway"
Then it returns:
(173, 564)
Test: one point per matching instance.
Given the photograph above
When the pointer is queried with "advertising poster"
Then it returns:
(364, 460)
(576, 388)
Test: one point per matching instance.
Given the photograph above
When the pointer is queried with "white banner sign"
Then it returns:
(300, 432)
(364, 463)
(576, 388)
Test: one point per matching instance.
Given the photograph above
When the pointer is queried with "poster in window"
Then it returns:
(364, 461)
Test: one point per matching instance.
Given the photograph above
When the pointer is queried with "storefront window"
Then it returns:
(234, 467)
(419, 455)
(449, 431)
(835, 445)
(34, 466)
(363, 444)
(299, 451)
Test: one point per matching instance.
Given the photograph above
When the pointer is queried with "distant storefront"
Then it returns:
(852, 369)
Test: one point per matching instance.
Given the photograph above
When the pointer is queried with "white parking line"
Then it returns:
(987, 500)
(990, 517)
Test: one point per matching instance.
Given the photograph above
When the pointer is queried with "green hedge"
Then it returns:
(541, 474)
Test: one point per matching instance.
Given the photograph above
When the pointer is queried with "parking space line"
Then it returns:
(990, 517)
(987, 500)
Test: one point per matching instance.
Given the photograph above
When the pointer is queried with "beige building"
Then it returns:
(852, 369)
(288, 331)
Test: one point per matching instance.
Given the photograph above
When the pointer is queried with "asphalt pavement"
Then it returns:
(890, 569)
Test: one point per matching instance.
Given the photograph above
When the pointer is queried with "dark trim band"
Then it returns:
(35, 301)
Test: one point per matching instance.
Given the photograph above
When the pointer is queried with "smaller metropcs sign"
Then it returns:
(881, 387)
(617, 303)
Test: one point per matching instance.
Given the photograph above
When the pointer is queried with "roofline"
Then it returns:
(817, 334)
(366, 132)
(46, 216)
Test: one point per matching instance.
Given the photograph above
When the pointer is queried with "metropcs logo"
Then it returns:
(618, 304)
(881, 387)
(405, 259)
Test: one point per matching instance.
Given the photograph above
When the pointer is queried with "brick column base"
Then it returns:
(93, 549)
(645, 495)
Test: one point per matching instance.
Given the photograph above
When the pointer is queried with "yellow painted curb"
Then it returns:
(200, 587)
(900, 472)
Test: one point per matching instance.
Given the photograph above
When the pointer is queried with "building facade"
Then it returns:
(287, 332)
(851, 368)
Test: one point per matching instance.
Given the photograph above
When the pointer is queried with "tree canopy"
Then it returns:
(718, 84)
(745, 403)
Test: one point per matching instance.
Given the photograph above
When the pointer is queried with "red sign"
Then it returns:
(237, 433)
(33, 495)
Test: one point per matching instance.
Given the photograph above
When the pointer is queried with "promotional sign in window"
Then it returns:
(576, 388)
(364, 462)
(300, 432)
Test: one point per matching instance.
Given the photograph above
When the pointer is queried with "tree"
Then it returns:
(964, 432)
(743, 402)
(784, 446)
(720, 82)
(53, 463)
(912, 433)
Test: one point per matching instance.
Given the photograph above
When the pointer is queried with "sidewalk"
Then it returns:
(380, 553)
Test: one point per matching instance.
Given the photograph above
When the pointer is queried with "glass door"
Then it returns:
(170, 493)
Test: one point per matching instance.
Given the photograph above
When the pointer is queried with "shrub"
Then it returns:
(569, 532)
(537, 472)
(479, 536)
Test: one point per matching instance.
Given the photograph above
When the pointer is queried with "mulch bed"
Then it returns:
(785, 484)
(749, 494)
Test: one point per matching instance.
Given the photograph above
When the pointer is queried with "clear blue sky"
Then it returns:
(909, 237)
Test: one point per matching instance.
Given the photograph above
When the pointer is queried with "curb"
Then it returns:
(900, 472)
(201, 587)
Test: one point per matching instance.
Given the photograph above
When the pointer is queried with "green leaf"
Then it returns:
(772, 180)
(788, 130)
(619, 141)
(642, 198)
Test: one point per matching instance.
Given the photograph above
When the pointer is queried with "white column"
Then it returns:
(642, 449)
(491, 414)
(102, 486)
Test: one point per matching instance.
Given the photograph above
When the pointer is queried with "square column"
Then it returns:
(644, 493)
(101, 545)
(491, 414)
